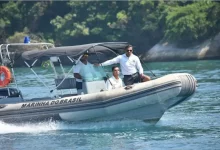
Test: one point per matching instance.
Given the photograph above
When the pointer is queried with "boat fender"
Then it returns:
(5, 76)
(128, 87)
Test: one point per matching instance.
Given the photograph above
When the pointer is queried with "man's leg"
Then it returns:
(128, 80)
(136, 77)
(79, 88)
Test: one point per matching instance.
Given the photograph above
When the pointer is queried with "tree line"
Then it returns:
(142, 23)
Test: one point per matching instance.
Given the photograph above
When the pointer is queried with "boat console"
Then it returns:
(93, 81)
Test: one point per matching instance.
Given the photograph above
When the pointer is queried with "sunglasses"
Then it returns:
(129, 50)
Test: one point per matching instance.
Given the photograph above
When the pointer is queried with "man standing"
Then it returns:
(115, 81)
(130, 66)
(83, 71)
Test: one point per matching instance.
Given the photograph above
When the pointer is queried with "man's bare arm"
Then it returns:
(77, 75)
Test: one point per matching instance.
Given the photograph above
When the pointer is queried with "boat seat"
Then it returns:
(68, 83)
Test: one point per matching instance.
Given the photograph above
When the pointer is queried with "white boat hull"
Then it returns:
(144, 101)
(148, 106)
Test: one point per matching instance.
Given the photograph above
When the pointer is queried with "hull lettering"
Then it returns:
(50, 103)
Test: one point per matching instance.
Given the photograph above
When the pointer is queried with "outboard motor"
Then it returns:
(10, 95)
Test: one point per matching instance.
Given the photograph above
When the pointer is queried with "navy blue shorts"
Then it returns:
(131, 79)
(78, 85)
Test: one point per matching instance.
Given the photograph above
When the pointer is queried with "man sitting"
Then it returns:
(115, 81)
(130, 65)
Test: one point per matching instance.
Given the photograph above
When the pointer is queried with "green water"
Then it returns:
(193, 124)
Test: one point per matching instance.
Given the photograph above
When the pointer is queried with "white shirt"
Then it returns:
(86, 71)
(113, 83)
(129, 65)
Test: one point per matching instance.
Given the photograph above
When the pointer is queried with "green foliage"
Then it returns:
(191, 22)
(142, 23)
(9, 13)
(18, 37)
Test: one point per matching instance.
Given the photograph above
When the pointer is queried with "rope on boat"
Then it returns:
(36, 73)
(145, 66)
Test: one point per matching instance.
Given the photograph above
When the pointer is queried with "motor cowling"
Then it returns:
(9, 92)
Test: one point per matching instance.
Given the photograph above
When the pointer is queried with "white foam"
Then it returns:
(27, 127)
(85, 126)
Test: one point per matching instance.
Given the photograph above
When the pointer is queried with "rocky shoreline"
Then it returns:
(165, 51)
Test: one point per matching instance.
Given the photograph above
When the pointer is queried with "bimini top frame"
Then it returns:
(5, 53)
(101, 51)
(98, 52)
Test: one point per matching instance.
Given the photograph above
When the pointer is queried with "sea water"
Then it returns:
(193, 124)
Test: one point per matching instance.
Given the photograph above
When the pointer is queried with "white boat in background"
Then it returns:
(146, 101)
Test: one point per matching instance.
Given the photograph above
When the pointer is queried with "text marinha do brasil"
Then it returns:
(53, 102)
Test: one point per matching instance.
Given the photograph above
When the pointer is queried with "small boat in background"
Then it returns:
(146, 101)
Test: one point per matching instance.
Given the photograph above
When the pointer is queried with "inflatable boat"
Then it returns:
(146, 101)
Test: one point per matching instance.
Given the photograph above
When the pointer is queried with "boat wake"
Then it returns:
(27, 127)
(41, 127)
